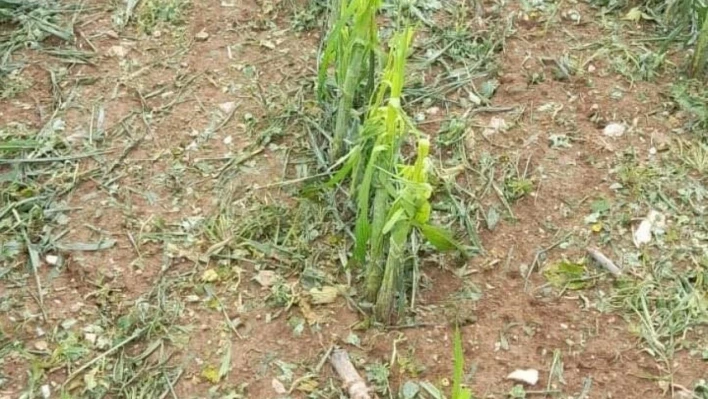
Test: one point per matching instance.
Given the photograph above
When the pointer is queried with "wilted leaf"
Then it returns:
(410, 390)
(266, 278)
(559, 141)
(597, 227)
(395, 218)
(423, 213)
(440, 238)
(9, 249)
(287, 370)
(297, 323)
(307, 312)
(211, 374)
(87, 247)
(652, 222)
(209, 276)
(566, 275)
(493, 218)
(488, 88)
(634, 15)
(592, 218)
(600, 206)
(324, 295)
(432, 390)
(90, 379)
(225, 363)
(517, 392)
(308, 385)
(353, 339)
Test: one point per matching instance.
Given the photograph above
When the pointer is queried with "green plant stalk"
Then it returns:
(382, 274)
(410, 210)
(350, 48)
(384, 126)
(372, 75)
(335, 12)
(458, 364)
(362, 229)
(382, 226)
(383, 309)
(346, 102)
(700, 57)
(386, 151)
(411, 205)
(375, 266)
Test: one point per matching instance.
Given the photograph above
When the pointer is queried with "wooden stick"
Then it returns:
(604, 261)
(353, 383)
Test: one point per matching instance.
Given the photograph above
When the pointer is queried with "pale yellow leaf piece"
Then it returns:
(90, 379)
(308, 385)
(210, 276)
(310, 315)
(324, 295)
(634, 15)
(210, 374)
(597, 227)
(266, 278)
(268, 44)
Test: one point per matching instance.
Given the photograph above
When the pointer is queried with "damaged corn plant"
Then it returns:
(700, 56)
(686, 16)
(350, 52)
(392, 199)
(682, 20)
(31, 22)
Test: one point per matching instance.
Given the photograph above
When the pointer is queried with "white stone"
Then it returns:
(529, 376)
(614, 130)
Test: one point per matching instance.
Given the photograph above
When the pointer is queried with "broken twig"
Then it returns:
(353, 383)
(604, 261)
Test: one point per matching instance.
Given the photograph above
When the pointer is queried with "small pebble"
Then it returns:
(614, 130)
(91, 338)
(117, 51)
(202, 36)
(45, 391)
(41, 345)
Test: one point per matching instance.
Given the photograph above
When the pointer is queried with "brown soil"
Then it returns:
(533, 322)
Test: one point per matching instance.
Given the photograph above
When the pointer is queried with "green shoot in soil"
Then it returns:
(458, 392)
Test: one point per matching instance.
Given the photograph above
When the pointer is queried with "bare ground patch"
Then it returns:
(161, 236)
